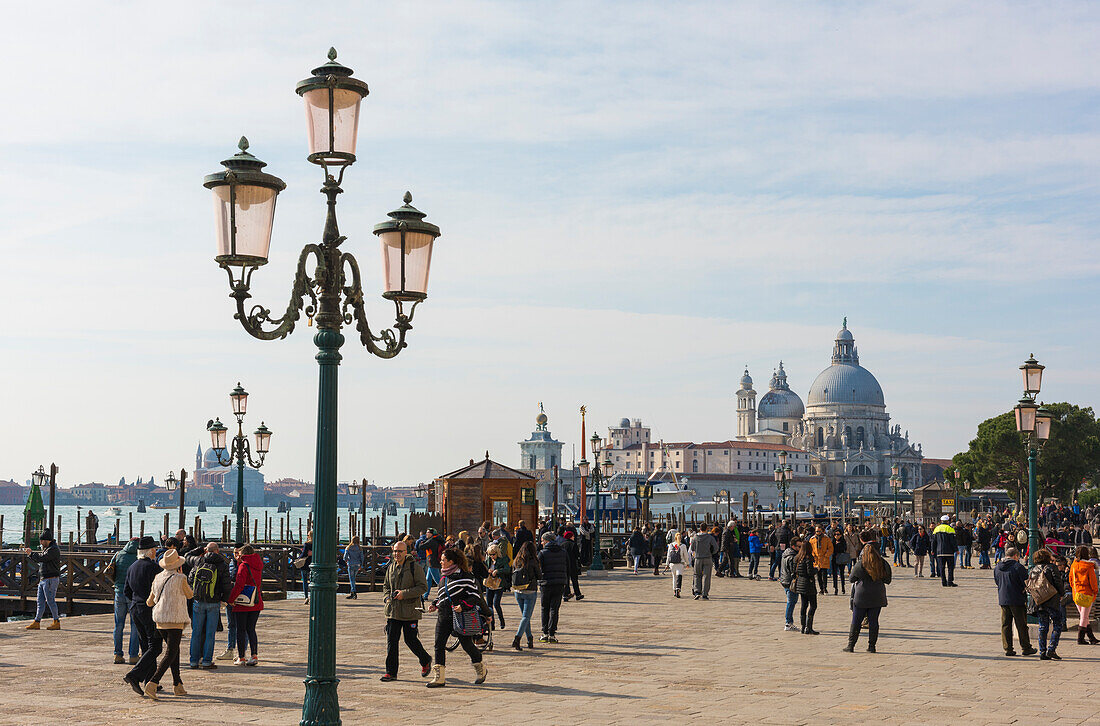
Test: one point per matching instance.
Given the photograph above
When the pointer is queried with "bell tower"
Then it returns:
(746, 407)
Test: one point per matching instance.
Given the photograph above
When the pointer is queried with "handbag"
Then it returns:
(248, 595)
(1084, 599)
(492, 583)
(843, 558)
(465, 623)
(301, 562)
(1040, 587)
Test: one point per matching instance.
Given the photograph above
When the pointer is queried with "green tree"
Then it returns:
(997, 456)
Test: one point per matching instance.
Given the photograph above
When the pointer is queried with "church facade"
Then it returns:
(843, 427)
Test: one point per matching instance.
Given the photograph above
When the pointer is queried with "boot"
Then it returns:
(1092, 638)
(810, 626)
(33, 625)
(872, 638)
(151, 690)
(440, 677)
(482, 672)
(55, 625)
(502, 625)
(515, 643)
(1081, 636)
(853, 636)
(530, 643)
(178, 690)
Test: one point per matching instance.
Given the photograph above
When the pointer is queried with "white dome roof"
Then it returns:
(846, 383)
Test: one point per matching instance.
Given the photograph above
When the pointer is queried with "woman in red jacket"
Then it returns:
(247, 601)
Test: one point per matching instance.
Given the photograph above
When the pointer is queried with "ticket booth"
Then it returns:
(932, 501)
(485, 491)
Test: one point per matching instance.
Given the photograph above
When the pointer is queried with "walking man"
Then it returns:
(139, 581)
(49, 570)
(703, 549)
(573, 553)
(946, 550)
(121, 564)
(402, 587)
(555, 575)
(657, 545)
(1011, 579)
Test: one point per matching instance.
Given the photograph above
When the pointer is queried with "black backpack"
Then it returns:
(674, 557)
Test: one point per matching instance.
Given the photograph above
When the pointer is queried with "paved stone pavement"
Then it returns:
(630, 654)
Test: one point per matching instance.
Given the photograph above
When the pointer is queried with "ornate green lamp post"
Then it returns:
(783, 480)
(240, 453)
(1034, 423)
(597, 481)
(895, 484)
(330, 293)
(170, 483)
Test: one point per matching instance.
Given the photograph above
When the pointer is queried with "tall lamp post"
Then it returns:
(754, 494)
(354, 488)
(241, 452)
(596, 477)
(717, 500)
(1034, 423)
(895, 484)
(331, 294)
(170, 483)
(782, 480)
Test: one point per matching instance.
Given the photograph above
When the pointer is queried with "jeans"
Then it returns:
(122, 613)
(754, 564)
(526, 601)
(492, 599)
(792, 599)
(305, 580)
(823, 579)
(409, 628)
(47, 593)
(983, 557)
(171, 657)
(230, 627)
(773, 565)
(551, 604)
(933, 564)
(246, 631)
(204, 629)
(966, 557)
(1055, 616)
(960, 555)
(433, 575)
(352, 572)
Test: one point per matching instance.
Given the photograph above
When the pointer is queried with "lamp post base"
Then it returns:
(321, 706)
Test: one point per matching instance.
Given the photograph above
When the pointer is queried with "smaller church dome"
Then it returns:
(624, 423)
(746, 380)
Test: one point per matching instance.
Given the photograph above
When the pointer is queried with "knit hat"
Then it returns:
(46, 536)
(171, 560)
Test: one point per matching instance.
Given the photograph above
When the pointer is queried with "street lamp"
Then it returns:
(753, 493)
(717, 500)
(354, 488)
(895, 484)
(240, 451)
(170, 482)
(1034, 423)
(332, 293)
(597, 556)
(782, 480)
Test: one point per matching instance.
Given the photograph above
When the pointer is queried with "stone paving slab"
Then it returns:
(630, 654)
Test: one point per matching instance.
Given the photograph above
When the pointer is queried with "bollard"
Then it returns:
(198, 529)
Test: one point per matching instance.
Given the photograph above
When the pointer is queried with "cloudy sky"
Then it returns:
(637, 199)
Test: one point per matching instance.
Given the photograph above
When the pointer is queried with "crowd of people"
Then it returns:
(164, 588)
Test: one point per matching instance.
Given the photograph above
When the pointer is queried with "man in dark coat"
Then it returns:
(946, 549)
(573, 552)
(1011, 579)
(139, 581)
(522, 535)
(658, 543)
(49, 570)
(554, 563)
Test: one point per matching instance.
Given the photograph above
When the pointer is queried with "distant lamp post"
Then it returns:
(170, 483)
(597, 480)
(1034, 423)
(783, 480)
(240, 451)
(754, 494)
(354, 488)
(717, 500)
(895, 485)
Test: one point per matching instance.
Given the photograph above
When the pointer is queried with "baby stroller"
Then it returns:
(483, 643)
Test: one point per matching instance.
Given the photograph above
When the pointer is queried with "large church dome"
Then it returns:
(780, 401)
(846, 381)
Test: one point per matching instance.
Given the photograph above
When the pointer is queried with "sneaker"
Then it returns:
(193, 666)
(227, 655)
(252, 661)
(697, 596)
(387, 678)
(788, 627)
(554, 639)
(209, 666)
(425, 670)
(580, 597)
(544, 639)
(1030, 651)
(705, 597)
(239, 662)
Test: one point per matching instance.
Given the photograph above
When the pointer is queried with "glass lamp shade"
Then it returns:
(332, 98)
(263, 439)
(783, 458)
(779, 474)
(407, 242)
(1043, 421)
(608, 466)
(895, 469)
(244, 209)
(615, 495)
(584, 468)
(788, 470)
(353, 487)
(1025, 415)
(239, 397)
(40, 477)
(170, 481)
(1033, 375)
(217, 435)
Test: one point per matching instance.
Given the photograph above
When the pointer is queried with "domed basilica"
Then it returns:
(843, 426)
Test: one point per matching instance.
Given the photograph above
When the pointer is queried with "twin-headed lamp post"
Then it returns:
(783, 480)
(597, 480)
(330, 293)
(1034, 422)
(895, 484)
(240, 452)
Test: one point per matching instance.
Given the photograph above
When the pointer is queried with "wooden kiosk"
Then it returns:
(932, 501)
(485, 491)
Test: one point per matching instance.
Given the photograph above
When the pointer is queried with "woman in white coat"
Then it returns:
(678, 558)
(168, 597)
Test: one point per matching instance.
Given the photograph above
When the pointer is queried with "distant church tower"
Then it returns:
(540, 451)
(198, 457)
(746, 407)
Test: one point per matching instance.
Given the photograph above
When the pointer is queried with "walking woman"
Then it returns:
(840, 559)
(247, 602)
(677, 557)
(870, 576)
(303, 563)
(921, 545)
(639, 545)
(457, 593)
(1082, 580)
(1051, 614)
(478, 566)
(168, 597)
(498, 582)
(353, 558)
(526, 574)
(805, 585)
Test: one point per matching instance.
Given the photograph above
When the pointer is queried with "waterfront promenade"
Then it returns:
(630, 654)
